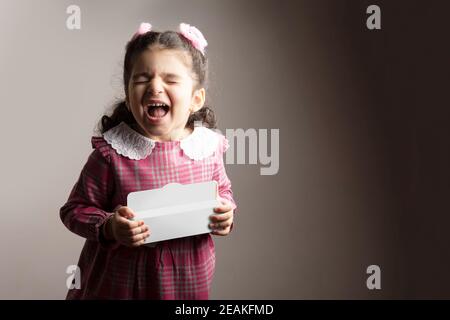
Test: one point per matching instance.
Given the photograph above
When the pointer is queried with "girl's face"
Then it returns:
(161, 76)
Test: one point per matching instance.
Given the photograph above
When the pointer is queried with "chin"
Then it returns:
(156, 130)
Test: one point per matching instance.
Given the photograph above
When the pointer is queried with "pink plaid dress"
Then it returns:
(125, 161)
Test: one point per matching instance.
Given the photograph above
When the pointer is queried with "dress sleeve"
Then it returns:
(88, 205)
(220, 174)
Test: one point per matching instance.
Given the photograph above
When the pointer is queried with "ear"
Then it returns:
(198, 99)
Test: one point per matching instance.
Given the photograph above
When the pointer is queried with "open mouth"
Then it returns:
(157, 110)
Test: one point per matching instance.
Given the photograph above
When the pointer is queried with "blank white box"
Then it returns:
(175, 210)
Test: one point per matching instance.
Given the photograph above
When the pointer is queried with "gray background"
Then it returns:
(364, 150)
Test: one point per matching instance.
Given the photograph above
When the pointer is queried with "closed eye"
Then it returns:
(146, 81)
(171, 78)
(141, 80)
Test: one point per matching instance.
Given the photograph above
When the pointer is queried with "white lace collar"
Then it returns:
(201, 143)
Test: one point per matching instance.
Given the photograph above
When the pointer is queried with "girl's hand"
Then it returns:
(124, 231)
(221, 222)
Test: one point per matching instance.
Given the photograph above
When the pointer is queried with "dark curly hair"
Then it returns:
(161, 40)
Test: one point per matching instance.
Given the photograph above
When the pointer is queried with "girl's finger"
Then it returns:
(137, 244)
(222, 225)
(221, 217)
(138, 223)
(223, 208)
(125, 212)
(133, 224)
(125, 231)
(223, 232)
(128, 233)
(137, 230)
(130, 241)
(140, 237)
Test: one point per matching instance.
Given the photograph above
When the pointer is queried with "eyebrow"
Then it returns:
(164, 74)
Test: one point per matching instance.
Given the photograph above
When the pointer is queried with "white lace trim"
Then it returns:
(128, 142)
(201, 143)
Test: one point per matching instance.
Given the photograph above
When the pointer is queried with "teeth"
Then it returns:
(157, 104)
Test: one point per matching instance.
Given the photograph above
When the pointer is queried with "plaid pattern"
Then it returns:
(175, 269)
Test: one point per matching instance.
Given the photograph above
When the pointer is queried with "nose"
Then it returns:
(155, 87)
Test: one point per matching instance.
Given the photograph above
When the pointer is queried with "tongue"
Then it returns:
(157, 112)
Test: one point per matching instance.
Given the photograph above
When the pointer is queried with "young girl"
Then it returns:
(149, 141)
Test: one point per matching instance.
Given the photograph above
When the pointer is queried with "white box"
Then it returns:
(175, 210)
